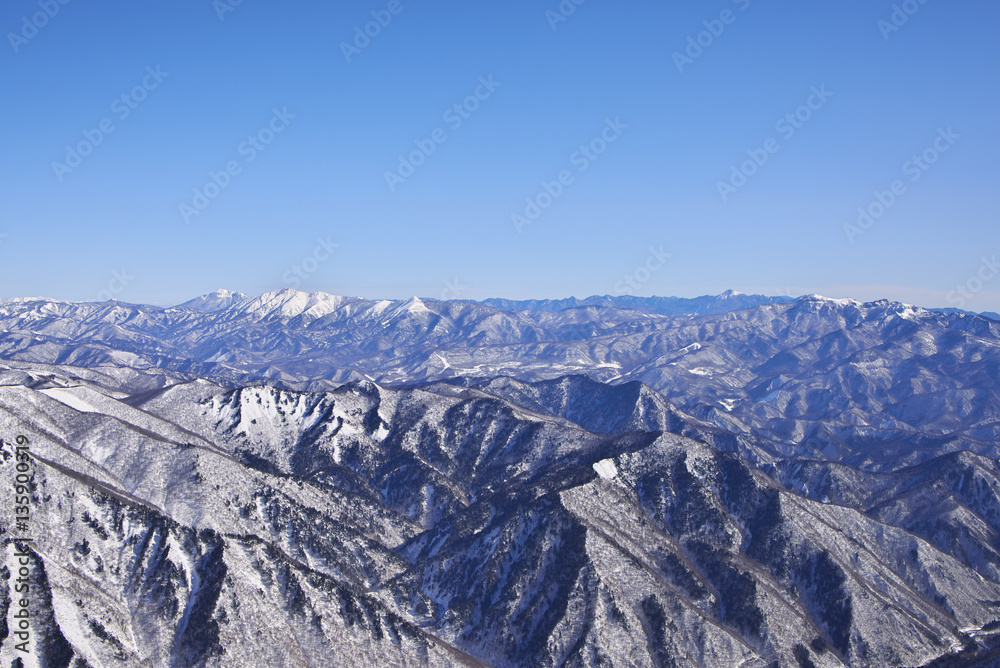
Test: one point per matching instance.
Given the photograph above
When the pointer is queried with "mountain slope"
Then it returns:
(876, 385)
(445, 526)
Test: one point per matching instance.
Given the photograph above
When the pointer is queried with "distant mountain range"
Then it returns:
(729, 300)
(871, 384)
(306, 479)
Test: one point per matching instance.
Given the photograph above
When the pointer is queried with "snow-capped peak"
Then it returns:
(830, 300)
(214, 301)
(289, 303)
(415, 305)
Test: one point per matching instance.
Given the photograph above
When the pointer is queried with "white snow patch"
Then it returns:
(839, 302)
(380, 306)
(416, 306)
(65, 612)
(701, 371)
(69, 398)
(606, 469)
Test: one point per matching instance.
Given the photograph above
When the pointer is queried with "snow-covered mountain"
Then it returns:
(215, 301)
(307, 479)
(877, 384)
(186, 523)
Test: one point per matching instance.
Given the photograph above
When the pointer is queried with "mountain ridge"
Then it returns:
(838, 376)
(790, 484)
(450, 526)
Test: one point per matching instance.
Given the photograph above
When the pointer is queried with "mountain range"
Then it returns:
(299, 479)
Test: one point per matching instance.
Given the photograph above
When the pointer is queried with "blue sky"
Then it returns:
(667, 199)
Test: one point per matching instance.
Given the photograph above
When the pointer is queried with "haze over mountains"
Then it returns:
(730, 300)
(727, 481)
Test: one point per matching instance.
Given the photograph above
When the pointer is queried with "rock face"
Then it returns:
(796, 484)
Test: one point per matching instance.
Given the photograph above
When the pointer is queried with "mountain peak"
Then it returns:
(413, 305)
(832, 300)
(218, 300)
(289, 303)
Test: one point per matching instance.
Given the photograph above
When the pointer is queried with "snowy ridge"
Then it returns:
(450, 526)
(433, 483)
(877, 384)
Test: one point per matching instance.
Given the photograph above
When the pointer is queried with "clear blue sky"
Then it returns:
(447, 227)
